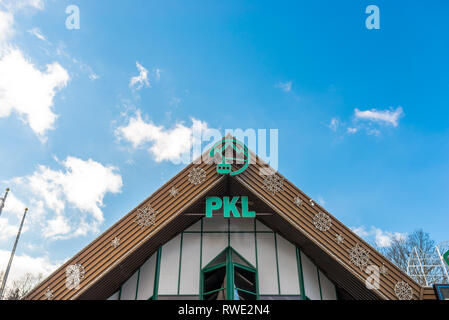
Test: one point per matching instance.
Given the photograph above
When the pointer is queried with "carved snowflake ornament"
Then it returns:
(146, 216)
(197, 176)
(174, 192)
(403, 291)
(339, 239)
(322, 221)
(359, 256)
(273, 183)
(48, 294)
(383, 270)
(115, 242)
(73, 276)
(297, 201)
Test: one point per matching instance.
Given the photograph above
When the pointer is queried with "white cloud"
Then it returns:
(6, 26)
(352, 130)
(28, 91)
(16, 5)
(37, 33)
(23, 264)
(81, 184)
(14, 205)
(142, 79)
(380, 237)
(284, 86)
(390, 117)
(166, 144)
(334, 124)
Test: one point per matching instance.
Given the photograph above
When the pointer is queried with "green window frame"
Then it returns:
(230, 260)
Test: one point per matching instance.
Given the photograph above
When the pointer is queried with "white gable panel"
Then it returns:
(169, 269)
(327, 288)
(146, 278)
(129, 288)
(245, 245)
(213, 244)
(288, 267)
(310, 273)
(267, 268)
(190, 264)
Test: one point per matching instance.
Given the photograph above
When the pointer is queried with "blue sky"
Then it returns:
(362, 114)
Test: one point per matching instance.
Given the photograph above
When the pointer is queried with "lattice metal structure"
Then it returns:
(427, 269)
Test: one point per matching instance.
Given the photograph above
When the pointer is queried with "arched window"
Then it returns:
(229, 277)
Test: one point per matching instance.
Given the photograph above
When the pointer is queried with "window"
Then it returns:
(229, 277)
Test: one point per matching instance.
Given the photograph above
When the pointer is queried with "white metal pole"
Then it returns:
(5, 277)
(2, 201)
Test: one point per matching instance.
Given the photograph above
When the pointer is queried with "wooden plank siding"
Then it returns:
(106, 267)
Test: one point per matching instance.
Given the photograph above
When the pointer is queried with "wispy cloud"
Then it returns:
(37, 33)
(140, 81)
(389, 117)
(380, 237)
(284, 86)
(162, 143)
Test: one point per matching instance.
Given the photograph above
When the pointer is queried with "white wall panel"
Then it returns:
(216, 223)
(327, 288)
(266, 255)
(190, 264)
(242, 224)
(114, 296)
(310, 274)
(261, 227)
(168, 278)
(146, 278)
(245, 245)
(129, 288)
(213, 244)
(288, 267)
(195, 227)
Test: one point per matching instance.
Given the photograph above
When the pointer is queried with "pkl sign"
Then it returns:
(229, 207)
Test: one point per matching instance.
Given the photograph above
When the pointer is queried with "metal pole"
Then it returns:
(5, 277)
(2, 203)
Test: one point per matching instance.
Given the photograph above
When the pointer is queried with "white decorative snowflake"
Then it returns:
(146, 216)
(273, 183)
(359, 256)
(403, 291)
(115, 242)
(174, 192)
(197, 176)
(73, 276)
(339, 239)
(297, 201)
(312, 203)
(322, 221)
(49, 294)
(383, 270)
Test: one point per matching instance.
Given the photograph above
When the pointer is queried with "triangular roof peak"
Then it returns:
(336, 249)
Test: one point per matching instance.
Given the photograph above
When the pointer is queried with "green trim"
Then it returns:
(300, 275)
(229, 276)
(257, 259)
(229, 232)
(137, 284)
(156, 276)
(319, 282)
(180, 261)
(120, 293)
(277, 263)
(229, 266)
(209, 292)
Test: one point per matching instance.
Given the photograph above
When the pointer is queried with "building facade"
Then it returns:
(209, 234)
